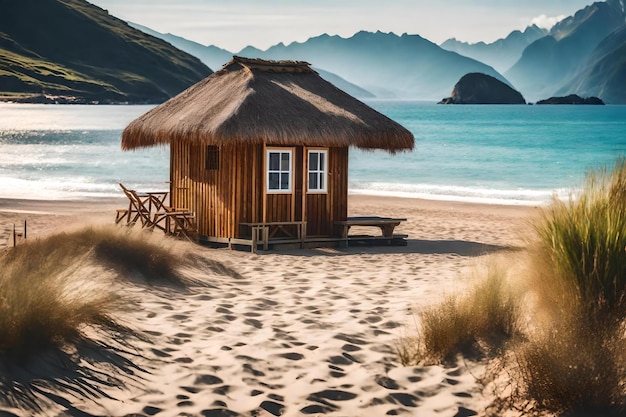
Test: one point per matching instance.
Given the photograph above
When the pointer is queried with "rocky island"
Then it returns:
(477, 88)
(572, 99)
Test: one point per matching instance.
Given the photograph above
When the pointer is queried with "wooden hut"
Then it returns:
(263, 144)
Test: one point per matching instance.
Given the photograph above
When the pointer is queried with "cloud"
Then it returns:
(546, 22)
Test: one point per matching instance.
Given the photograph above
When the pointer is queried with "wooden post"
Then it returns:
(24, 229)
(305, 179)
(13, 234)
(293, 184)
(264, 184)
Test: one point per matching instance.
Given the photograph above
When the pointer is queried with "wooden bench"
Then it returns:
(262, 232)
(385, 224)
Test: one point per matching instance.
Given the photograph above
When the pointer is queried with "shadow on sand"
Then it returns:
(413, 246)
(52, 379)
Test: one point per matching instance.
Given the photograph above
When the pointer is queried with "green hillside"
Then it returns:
(73, 51)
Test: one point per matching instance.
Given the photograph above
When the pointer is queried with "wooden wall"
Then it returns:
(322, 210)
(224, 198)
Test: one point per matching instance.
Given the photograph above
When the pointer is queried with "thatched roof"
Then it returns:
(276, 102)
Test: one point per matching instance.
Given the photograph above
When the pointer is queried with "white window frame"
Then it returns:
(320, 173)
(268, 171)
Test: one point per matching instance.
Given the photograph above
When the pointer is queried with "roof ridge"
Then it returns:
(271, 65)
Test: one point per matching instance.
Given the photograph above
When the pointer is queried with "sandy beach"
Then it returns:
(299, 332)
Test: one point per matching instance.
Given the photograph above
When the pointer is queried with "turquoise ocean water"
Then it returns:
(498, 154)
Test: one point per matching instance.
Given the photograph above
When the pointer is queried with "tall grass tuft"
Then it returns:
(479, 323)
(575, 361)
(572, 368)
(45, 301)
(48, 290)
(571, 356)
(581, 248)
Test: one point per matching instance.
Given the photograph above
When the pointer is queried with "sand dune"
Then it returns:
(302, 332)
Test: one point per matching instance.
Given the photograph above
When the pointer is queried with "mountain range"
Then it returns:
(583, 54)
(215, 57)
(604, 71)
(501, 54)
(112, 61)
(385, 64)
(73, 51)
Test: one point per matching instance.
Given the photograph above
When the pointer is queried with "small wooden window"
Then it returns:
(279, 171)
(318, 168)
(212, 158)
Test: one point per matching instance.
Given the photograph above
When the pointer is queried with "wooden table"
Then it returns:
(263, 231)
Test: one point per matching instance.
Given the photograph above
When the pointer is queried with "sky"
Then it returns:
(235, 24)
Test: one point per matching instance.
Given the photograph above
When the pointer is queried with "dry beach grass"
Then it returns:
(291, 333)
(559, 336)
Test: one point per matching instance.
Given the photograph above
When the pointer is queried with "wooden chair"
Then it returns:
(120, 215)
(137, 209)
(172, 220)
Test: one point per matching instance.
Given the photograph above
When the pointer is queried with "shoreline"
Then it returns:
(69, 206)
(472, 220)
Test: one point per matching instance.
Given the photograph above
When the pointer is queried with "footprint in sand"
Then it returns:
(151, 411)
(340, 360)
(465, 412)
(160, 353)
(336, 372)
(371, 319)
(407, 400)
(208, 380)
(249, 369)
(323, 400)
(223, 390)
(331, 395)
(318, 409)
(451, 381)
(350, 339)
(350, 348)
(264, 302)
(218, 412)
(274, 408)
(387, 382)
(215, 329)
(292, 356)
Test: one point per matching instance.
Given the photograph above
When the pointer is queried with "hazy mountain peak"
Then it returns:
(500, 54)
(548, 64)
(609, 13)
(385, 64)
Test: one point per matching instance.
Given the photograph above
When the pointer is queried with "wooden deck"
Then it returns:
(288, 235)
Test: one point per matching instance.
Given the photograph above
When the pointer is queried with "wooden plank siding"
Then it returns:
(323, 209)
(223, 199)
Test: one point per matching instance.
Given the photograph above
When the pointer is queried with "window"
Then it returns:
(212, 158)
(279, 171)
(318, 161)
